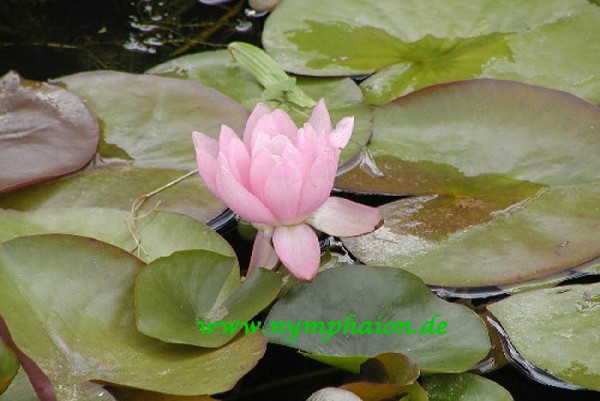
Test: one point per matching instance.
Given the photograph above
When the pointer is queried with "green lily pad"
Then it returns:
(197, 298)
(464, 387)
(218, 70)
(20, 389)
(69, 304)
(45, 132)
(9, 366)
(146, 143)
(505, 193)
(307, 316)
(119, 187)
(155, 235)
(556, 329)
(127, 394)
(412, 45)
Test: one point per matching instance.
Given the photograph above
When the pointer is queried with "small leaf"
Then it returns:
(9, 365)
(183, 297)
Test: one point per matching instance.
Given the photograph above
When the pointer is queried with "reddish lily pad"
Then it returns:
(68, 302)
(507, 180)
(45, 132)
(146, 143)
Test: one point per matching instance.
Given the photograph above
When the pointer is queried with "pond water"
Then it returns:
(43, 39)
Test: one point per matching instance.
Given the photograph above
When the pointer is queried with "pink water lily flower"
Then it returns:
(279, 178)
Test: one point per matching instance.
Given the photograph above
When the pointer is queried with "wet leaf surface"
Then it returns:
(556, 329)
(339, 294)
(411, 45)
(68, 302)
(9, 366)
(147, 123)
(45, 132)
(464, 387)
(153, 236)
(506, 187)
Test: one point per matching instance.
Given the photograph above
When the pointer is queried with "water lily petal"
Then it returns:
(278, 143)
(306, 142)
(259, 111)
(266, 125)
(239, 160)
(318, 183)
(298, 249)
(282, 191)
(340, 136)
(263, 254)
(207, 150)
(344, 218)
(261, 164)
(239, 199)
(319, 118)
(285, 123)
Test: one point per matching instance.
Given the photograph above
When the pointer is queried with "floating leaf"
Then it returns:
(218, 70)
(179, 295)
(155, 235)
(411, 45)
(68, 302)
(126, 394)
(398, 303)
(45, 132)
(9, 366)
(556, 329)
(464, 387)
(20, 389)
(147, 123)
(507, 193)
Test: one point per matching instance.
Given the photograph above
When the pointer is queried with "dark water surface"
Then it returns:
(42, 39)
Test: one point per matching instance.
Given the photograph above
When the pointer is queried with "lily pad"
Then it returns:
(556, 329)
(506, 192)
(45, 132)
(197, 298)
(20, 389)
(464, 387)
(218, 70)
(155, 235)
(127, 394)
(146, 143)
(412, 45)
(308, 315)
(9, 366)
(68, 302)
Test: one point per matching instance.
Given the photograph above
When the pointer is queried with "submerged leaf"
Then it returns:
(464, 387)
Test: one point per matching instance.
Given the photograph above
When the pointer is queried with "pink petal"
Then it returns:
(278, 144)
(344, 218)
(285, 123)
(207, 150)
(260, 167)
(259, 111)
(225, 137)
(319, 118)
(239, 199)
(306, 142)
(340, 136)
(263, 254)
(239, 160)
(298, 249)
(319, 181)
(266, 125)
(282, 191)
